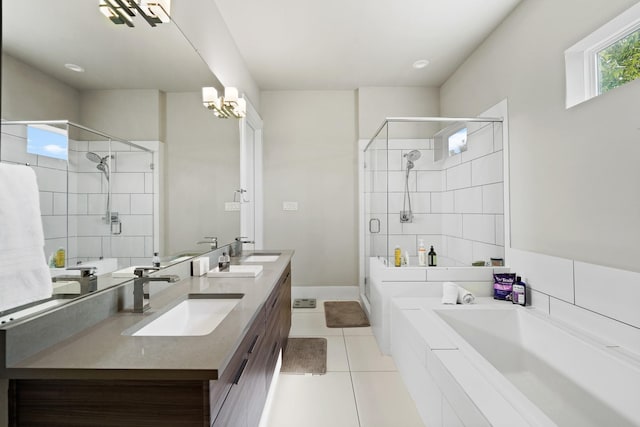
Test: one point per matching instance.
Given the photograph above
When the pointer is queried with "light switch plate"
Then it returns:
(289, 206)
(231, 206)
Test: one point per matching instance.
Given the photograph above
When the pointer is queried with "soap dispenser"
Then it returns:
(223, 262)
(422, 254)
(432, 257)
(519, 292)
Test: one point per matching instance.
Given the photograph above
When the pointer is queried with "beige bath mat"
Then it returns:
(345, 314)
(305, 356)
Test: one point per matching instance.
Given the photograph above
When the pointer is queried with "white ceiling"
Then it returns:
(47, 34)
(346, 44)
(286, 44)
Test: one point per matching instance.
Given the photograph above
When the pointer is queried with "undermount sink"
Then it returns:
(271, 257)
(197, 315)
(237, 271)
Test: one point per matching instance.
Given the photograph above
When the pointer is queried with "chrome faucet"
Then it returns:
(213, 241)
(235, 249)
(140, 297)
(88, 280)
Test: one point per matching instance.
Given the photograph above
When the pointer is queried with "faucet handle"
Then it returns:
(84, 271)
(140, 271)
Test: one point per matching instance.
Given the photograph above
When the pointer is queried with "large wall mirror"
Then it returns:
(62, 60)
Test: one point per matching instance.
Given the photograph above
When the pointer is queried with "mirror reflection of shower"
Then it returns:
(406, 214)
(103, 166)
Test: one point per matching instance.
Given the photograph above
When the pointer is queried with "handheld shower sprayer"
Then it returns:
(406, 215)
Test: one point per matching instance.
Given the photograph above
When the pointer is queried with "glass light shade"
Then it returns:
(230, 94)
(209, 94)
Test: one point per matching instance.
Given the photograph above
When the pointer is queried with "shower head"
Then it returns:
(412, 156)
(102, 167)
(94, 157)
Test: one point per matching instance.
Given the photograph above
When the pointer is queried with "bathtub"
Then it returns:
(494, 363)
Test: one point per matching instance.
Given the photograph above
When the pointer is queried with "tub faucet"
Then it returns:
(213, 241)
(140, 297)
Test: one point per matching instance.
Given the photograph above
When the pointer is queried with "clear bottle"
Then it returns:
(155, 261)
(432, 257)
(422, 254)
(397, 253)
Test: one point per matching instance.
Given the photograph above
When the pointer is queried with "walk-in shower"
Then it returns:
(417, 186)
(406, 214)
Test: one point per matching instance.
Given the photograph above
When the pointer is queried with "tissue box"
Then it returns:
(200, 266)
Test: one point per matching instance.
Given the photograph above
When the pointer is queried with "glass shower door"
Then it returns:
(375, 204)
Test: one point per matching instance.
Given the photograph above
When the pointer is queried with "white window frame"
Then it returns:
(581, 65)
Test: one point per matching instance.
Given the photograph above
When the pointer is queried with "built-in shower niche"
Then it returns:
(456, 197)
(98, 204)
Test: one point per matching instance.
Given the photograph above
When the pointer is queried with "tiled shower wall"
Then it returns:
(73, 201)
(457, 203)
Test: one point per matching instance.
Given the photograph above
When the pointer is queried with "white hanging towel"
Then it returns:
(24, 274)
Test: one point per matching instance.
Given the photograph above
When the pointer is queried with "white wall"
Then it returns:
(28, 94)
(574, 173)
(201, 172)
(202, 24)
(310, 157)
(377, 103)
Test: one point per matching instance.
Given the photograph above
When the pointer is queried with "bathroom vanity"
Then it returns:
(106, 375)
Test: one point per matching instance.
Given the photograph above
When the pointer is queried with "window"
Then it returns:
(450, 141)
(45, 140)
(605, 59)
(458, 142)
(619, 63)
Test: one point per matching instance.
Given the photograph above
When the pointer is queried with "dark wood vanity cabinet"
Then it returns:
(236, 399)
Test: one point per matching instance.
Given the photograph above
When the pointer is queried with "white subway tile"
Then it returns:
(498, 142)
(137, 225)
(97, 204)
(479, 143)
(459, 176)
(429, 180)
(468, 200)
(479, 227)
(442, 202)
(78, 204)
(60, 206)
(52, 163)
(613, 331)
(92, 225)
(612, 292)
(397, 181)
(89, 247)
(452, 225)
(460, 274)
(377, 160)
(121, 203)
(409, 144)
(128, 246)
(420, 202)
(127, 183)
(544, 273)
(142, 204)
(500, 230)
(89, 182)
(487, 170)
(133, 161)
(406, 242)
(99, 146)
(540, 301)
(451, 161)
(51, 179)
(55, 226)
(149, 247)
(14, 149)
(461, 250)
(72, 224)
(394, 161)
(493, 198)
(422, 224)
(484, 251)
(46, 203)
(14, 130)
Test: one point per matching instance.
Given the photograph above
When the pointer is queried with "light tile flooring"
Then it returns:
(360, 389)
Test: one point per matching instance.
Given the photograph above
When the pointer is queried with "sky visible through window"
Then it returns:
(458, 142)
(47, 141)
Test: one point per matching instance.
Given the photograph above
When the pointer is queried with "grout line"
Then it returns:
(353, 389)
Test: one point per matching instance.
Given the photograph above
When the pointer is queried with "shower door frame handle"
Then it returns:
(371, 222)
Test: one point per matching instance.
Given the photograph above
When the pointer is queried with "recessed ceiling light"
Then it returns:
(74, 67)
(421, 63)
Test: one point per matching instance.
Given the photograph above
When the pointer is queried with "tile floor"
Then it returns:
(360, 389)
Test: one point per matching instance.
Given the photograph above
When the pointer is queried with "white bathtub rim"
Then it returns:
(531, 412)
(526, 409)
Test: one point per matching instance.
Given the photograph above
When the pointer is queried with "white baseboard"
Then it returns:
(326, 292)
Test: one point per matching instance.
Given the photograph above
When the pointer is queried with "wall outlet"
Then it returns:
(289, 206)
(232, 206)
